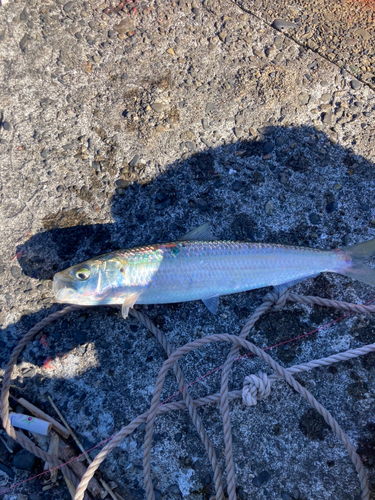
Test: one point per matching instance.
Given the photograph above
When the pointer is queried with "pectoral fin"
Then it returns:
(212, 304)
(128, 303)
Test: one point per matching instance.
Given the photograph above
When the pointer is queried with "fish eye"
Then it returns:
(83, 274)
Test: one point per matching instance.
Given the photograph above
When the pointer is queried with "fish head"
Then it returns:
(89, 283)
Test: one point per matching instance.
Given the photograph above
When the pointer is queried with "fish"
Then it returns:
(200, 267)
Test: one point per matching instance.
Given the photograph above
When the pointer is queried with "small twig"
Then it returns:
(104, 484)
(68, 454)
(53, 449)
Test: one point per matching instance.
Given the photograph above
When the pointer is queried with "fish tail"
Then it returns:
(358, 254)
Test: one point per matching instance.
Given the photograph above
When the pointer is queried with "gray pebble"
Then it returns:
(6, 126)
(68, 146)
(122, 184)
(325, 97)
(210, 106)
(15, 272)
(267, 130)
(190, 145)
(134, 162)
(268, 207)
(238, 132)
(23, 15)
(355, 84)
(304, 98)
(24, 41)
(69, 6)
(282, 24)
(328, 118)
(44, 153)
(205, 124)
(157, 106)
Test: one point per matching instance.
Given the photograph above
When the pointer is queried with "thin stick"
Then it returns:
(105, 485)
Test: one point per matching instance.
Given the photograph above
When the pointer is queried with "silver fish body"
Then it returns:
(190, 270)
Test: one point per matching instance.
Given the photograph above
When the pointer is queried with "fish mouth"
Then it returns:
(64, 291)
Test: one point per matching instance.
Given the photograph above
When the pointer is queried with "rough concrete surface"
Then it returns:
(130, 125)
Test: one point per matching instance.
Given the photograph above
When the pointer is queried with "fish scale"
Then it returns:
(205, 269)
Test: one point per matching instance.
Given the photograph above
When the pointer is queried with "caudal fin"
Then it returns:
(358, 270)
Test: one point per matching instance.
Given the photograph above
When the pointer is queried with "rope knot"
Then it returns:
(278, 298)
(256, 387)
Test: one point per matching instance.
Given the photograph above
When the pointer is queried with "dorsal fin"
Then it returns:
(201, 233)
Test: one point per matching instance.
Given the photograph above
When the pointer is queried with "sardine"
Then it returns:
(199, 267)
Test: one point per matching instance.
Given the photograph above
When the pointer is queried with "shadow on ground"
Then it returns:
(290, 186)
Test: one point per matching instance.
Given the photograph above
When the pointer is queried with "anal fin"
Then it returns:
(212, 303)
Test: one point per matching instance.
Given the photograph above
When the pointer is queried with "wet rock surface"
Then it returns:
(132, 124)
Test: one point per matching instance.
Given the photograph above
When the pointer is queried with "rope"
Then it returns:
(256, 387)
(23, 440)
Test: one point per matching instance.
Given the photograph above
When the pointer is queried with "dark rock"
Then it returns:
(313, 426)
(268, 130)
(357, 390)
(258, 178)
(178, 437)
(331, 207)
(241, 494)
(285, 495)
(79, 336)
(7, 470)
(262, 478)
(6, 126)
(24, 460)
(268, 147)
(314, 218)
(236, 186)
